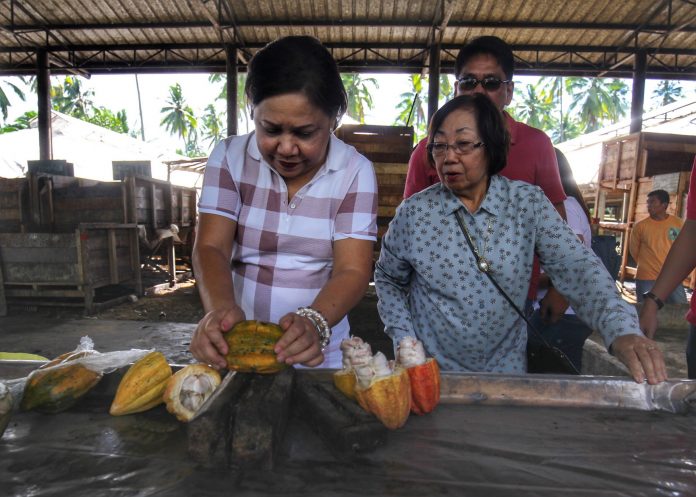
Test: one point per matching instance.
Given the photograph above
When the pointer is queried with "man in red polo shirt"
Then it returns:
(486, 65)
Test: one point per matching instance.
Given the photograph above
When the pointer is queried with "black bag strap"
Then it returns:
(556, 351)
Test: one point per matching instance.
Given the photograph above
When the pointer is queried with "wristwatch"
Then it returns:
(655, 298)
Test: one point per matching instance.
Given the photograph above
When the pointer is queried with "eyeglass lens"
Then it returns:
(489, 83)
(461, 147)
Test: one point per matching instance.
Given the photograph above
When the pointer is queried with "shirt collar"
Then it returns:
(491, 202)
(336, 157)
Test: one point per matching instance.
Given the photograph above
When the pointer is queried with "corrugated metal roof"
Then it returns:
(549, 37)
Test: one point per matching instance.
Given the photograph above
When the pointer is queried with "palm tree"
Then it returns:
(412, 106)
(446, 89)
(212, 126)
(70, 98)
(667, 92)
(22, 122)
(568, 129)
(242, 104)
(359, 96)
(5, 101)
(533, 108)
(101, 116)
(553, 89)
(178, 117)
(598, 100)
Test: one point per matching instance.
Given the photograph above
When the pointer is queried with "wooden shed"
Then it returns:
(633, 166)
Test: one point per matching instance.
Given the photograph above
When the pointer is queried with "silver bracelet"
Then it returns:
(319, 322)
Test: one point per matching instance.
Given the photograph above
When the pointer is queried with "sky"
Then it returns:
(118, 92)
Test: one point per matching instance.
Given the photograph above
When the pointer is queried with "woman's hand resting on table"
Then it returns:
(642, 356)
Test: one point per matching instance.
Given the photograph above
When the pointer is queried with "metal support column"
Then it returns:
(639, 72)
(231, 53)
(43, 89)
(433, 80)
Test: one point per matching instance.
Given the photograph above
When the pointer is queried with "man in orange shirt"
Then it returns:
(650, 242)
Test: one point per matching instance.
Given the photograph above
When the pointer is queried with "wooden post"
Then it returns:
(638, 93)
(231, 64)
(43, 90)
(434, 79)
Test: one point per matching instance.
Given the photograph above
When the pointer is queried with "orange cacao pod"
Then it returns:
(425, 386)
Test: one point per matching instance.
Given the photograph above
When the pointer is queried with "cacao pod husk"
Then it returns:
(59, 388)
(143, 385)
(388, 398)
(345, 381)
(425, 386)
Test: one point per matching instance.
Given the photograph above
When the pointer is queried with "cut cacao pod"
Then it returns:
(142, 386)
(345, 381)
(425, 386)
(251, 345)
(189, 388)
(388, 398)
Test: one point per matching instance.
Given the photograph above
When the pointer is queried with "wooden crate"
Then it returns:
(641, 155)
(14, 208)
(389, 148)
(158, 204)
(66, 268)
(77, 200)
(391, 179)
(379, 143)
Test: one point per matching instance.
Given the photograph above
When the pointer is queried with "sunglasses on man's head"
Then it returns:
(489, 83)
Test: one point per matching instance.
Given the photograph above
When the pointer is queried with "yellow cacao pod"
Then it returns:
(345, 382)
(251, 346)
(388, 398)
(425, 386)
(189, 388)
(143, 385)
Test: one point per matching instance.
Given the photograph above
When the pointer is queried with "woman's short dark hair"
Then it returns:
(490, 123)
(297, 64)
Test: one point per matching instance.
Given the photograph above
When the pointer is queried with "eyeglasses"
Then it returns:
(489, 83)
(439, 149)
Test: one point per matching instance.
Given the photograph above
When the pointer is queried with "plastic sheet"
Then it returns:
(486, 450)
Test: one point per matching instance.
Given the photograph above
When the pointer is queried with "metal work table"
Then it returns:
(492, 435)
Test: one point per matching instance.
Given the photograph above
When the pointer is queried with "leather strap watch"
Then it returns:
(654, 298)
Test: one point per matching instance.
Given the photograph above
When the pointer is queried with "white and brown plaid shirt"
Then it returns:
(283, 251)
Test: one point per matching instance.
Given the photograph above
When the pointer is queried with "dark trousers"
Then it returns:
(568, 334)
(691, 352)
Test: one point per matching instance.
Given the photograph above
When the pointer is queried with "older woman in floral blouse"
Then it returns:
(431, 281)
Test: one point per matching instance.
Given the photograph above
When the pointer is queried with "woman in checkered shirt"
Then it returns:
(287, 213)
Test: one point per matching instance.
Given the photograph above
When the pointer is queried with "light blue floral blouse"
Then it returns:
(429, 286)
